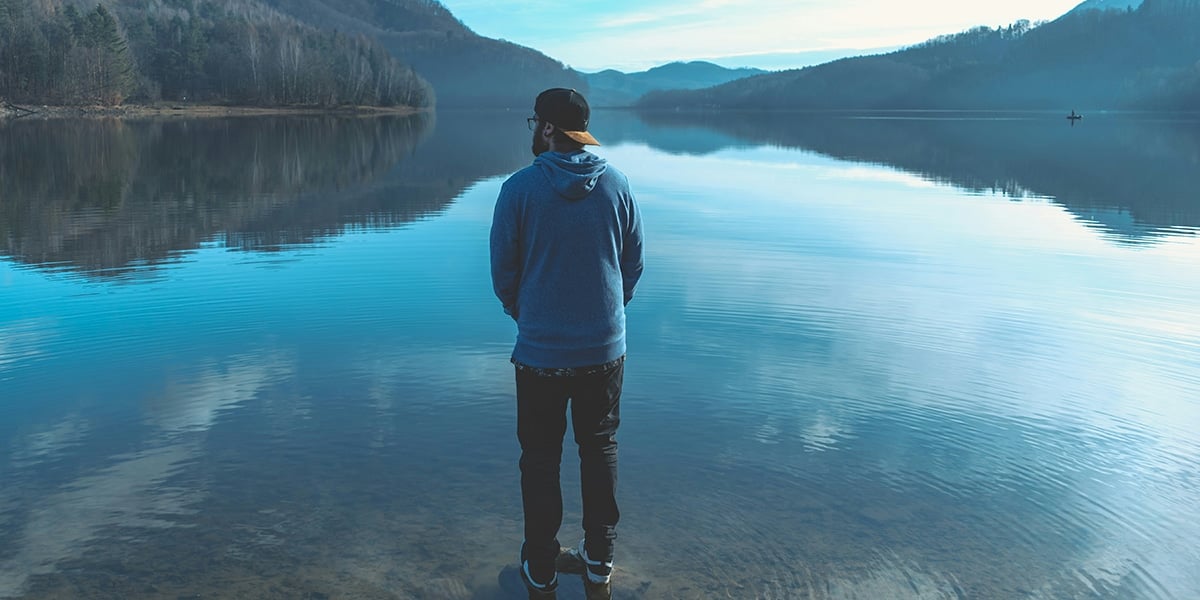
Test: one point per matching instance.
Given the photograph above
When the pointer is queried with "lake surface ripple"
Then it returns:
(896, 355)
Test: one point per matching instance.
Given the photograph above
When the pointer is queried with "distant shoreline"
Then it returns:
(134, 111)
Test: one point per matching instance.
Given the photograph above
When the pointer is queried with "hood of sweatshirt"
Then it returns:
(574, 175)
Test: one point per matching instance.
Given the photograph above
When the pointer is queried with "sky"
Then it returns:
(634, 35)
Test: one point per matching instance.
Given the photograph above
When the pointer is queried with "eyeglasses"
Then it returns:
(533, 121)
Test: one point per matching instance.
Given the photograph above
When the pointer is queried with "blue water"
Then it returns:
(932, 356)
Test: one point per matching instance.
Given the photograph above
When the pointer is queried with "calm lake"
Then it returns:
(906, 355)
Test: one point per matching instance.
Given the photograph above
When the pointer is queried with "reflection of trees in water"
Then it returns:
(103, 196)
(1134, 178)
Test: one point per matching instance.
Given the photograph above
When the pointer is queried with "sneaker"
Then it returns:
(598, 571)
(536, 588)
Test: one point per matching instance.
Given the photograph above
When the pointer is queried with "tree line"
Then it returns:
(229, 52)
(65, 58)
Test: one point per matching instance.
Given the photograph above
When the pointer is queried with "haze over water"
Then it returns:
(894, 355)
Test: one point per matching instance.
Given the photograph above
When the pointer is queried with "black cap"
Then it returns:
(567, 110)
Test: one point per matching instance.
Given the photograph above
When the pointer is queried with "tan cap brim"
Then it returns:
(582, 137)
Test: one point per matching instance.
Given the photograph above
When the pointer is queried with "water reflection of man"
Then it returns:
(566, 249)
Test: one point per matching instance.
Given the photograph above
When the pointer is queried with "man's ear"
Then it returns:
(548, 129)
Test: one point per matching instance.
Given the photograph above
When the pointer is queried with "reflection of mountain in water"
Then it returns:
(672, 136)
(106, 196)
(1135, 178)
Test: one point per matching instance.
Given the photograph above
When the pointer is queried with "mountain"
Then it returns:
(466, 69)
(612, 88)
(1088, 59)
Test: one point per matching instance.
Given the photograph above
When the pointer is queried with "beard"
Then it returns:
(539, 145)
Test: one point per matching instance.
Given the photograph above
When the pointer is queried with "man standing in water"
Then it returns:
(566, 248)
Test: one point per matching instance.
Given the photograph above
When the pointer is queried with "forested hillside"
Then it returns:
(1143, 58)
(466, 69)
(81, 52)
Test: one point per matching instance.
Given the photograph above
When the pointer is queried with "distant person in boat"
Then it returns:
(566, 254)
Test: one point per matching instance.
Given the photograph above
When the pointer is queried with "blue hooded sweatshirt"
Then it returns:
(566, 248)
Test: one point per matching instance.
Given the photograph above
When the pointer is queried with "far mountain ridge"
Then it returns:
(612, 88)
(696, 69)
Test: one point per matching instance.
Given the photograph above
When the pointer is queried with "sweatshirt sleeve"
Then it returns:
(506, 251)
(632, 253)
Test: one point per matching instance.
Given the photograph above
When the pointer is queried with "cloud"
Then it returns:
(707, 11)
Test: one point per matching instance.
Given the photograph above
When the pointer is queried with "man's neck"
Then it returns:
(564, 148)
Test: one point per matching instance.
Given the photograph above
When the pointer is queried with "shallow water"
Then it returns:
(900, 355)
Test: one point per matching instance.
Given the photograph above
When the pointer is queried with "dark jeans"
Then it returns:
(595, 401)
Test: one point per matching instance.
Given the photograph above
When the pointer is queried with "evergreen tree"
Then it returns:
(194, 50)
(75, 21)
